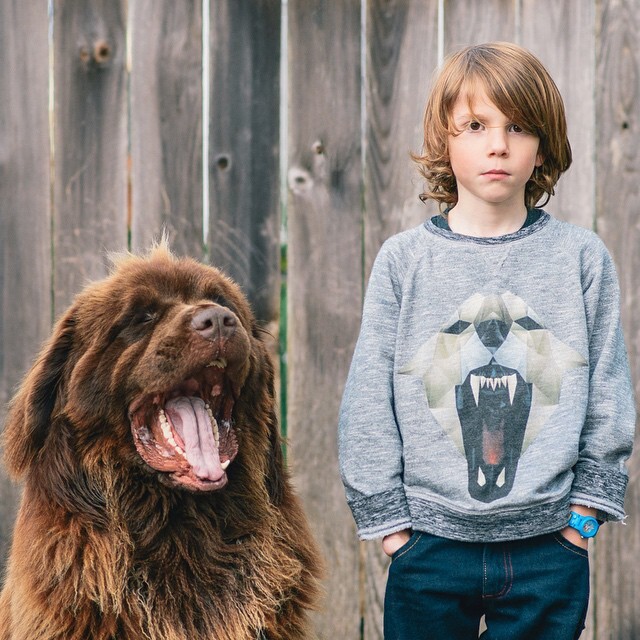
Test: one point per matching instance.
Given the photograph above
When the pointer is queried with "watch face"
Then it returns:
(587, 526)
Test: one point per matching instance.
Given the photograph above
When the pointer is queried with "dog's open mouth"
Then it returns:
(186, 431)
(493, 406)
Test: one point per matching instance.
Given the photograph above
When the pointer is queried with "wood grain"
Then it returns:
(402, 49)
(244, 148)
(166, 124)
(90, 141)
(325, 278)
(25, 211)
(467, 23)
(568, 53)
(616, 584)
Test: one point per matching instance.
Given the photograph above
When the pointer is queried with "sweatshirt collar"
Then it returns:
(523, 232)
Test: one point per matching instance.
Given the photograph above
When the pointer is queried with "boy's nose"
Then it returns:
(498, 144)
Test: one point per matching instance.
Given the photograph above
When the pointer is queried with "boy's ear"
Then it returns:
(27, 421)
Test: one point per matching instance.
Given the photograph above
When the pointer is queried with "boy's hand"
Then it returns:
(392, 542)
(571, 534)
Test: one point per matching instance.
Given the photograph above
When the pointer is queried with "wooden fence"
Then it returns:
(104, 140)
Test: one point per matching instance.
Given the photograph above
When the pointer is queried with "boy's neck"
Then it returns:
(486, 221)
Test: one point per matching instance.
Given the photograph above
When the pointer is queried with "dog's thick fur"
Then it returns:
(123, 531)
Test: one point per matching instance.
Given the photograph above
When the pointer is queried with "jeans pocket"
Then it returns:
(570, 546)
(407, 546)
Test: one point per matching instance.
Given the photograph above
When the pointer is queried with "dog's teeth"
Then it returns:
(475, 387)
(214, 425)
(166, 429)
(512, 383)
(481, 478)
(221, 363)
(501, 478)
(505, 382)
(167, 433)
(225, 464)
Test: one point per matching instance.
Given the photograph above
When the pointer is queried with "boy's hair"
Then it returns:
(519, 86)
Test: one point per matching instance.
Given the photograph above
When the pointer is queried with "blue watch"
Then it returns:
(586, 526)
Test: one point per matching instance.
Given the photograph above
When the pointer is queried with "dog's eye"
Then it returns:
(529, 323)
(133, 325)
(457, 327)
(143, 317)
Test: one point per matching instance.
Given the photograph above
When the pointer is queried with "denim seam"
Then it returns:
(560, 541)
(413, 544)
(508, 577)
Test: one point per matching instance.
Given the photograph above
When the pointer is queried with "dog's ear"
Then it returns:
(30, 410)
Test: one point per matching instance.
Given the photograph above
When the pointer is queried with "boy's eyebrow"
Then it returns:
(464, 117)
(476, 116)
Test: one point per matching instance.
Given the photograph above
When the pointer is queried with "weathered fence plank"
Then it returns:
(568, 53)
(616, 585)
(90, 141)
(467, 23)
(244, 227)
(25, 213)
(324, 281)
(166, 124)
(402, 51)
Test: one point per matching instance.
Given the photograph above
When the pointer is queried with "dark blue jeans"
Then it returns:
(534, 589)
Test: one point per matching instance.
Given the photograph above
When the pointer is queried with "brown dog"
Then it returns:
(156, 505)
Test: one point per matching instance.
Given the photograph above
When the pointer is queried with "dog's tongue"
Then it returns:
(193, 424)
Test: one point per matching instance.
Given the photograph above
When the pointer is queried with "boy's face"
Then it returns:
(492, 158)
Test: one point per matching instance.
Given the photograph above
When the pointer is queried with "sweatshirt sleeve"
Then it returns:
(608, 432)
(369, 443)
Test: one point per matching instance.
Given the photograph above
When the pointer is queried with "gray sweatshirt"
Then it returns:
(490, 386)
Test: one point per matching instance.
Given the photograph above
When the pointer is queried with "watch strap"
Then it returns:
(586, 526)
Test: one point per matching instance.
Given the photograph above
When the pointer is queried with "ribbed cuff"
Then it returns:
(600, 487)
(381, 514)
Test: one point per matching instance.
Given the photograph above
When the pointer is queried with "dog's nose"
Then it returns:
(214, 322)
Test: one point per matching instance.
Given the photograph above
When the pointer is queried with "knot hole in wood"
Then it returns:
(300, 181)
(223, 162)
(101, 52)
(100, 55)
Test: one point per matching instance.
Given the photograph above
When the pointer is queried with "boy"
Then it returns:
(488, 411)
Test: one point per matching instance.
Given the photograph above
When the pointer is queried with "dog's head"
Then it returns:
(160, 366)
